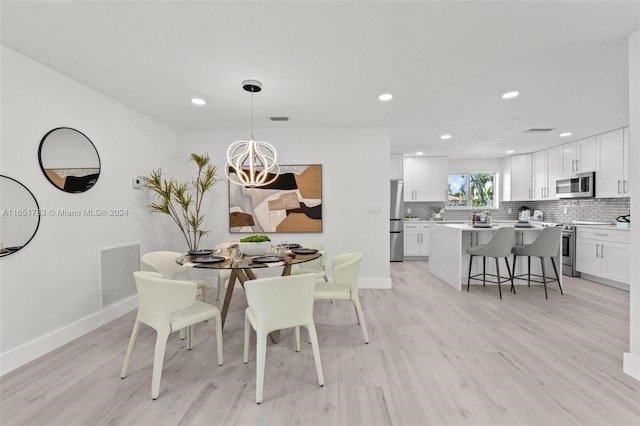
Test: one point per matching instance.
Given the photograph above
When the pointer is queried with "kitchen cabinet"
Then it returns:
(612, 178)
(425, 178)
(603, 253)
(546, 169)
(521, 177)
(396, 167)
(579, 156)
(438, 178)
(416, 239)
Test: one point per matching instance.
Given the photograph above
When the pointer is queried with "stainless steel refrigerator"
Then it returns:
(396, 225)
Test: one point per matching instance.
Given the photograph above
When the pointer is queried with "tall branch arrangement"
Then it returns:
(183, 201)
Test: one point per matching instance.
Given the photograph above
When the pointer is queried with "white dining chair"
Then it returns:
(315, 266)
(165, 263)
(344, 285)
(278, 303)
(167, 306)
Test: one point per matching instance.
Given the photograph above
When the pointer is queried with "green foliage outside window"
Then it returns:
(471, 190)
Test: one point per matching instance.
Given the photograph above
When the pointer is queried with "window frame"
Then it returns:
(495, 192)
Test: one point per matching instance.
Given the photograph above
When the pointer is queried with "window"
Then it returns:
(473, 190)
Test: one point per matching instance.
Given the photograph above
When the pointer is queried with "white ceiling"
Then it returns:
(324, 63)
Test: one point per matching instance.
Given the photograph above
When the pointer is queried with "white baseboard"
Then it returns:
(631, 365)
(29, 351)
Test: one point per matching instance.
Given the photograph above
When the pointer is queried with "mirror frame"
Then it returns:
(36, 213)
(42, 141)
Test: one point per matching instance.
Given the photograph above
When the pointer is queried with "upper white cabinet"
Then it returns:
(546, 169)
(438, 178)
(579, 156)
(396, 167)
(554, 170)
(612, 179)
(416, 178)
(521, 177)
(425, 178)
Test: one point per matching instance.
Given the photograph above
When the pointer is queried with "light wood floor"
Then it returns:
(437, 357)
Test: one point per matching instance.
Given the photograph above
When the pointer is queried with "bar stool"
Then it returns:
(499, 246)
(546, 245)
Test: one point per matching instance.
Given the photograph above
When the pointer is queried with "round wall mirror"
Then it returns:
(19, 216)
(69, 160)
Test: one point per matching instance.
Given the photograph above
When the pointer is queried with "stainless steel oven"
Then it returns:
(569, 251)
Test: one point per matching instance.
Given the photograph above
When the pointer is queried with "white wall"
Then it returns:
(49, 289)
(474, 165)
(632, 358)
(355, 175)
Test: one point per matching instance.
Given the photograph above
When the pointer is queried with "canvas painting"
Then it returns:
(292, 203)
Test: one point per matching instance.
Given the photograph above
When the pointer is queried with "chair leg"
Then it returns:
(469, 276)
(190, 336)
(528, 271)
(360, 314)
(514, 273)
(132, 343)
(311, 328)
(499, 279)
(158, 361)
(296, 338)
(261, 355)
(544, 278)
(219, 338)
(506, 260)
(204, 293)
(247, 330)
(484, 270)
(555, 269)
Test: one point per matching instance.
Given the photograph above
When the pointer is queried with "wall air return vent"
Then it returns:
(538, 130)
(279, 118)
(116, 268)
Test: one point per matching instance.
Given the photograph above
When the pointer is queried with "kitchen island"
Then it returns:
(448, 259)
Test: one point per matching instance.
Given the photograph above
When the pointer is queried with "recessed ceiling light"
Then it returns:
(510, 95)
(445, 137)
(198, 101)
(385, 97)
(510, 151)
(419, 153)
(565, 134)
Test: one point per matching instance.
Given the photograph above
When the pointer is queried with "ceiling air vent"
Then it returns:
(279, 118)
(538, 130)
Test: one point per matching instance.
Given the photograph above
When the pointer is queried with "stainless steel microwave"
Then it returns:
(580, 185)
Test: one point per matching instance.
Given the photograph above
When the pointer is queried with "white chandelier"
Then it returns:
(251, 163)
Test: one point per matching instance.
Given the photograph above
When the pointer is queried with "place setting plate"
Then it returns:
(209, 259)
(302, 250)
(481, 225)
(267, 259)
(203, 252)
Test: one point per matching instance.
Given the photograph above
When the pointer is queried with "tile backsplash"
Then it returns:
(587, 209)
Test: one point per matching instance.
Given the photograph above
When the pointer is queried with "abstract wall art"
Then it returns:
(292, 203)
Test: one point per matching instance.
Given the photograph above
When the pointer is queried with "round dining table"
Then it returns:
(243, 270)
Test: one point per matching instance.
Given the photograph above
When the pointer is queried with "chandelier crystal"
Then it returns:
(251, 163)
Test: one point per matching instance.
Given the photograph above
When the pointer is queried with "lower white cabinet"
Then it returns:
(416, 239)
(603, 253)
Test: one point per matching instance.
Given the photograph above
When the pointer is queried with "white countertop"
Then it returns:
(469, 227)
(606, 227)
